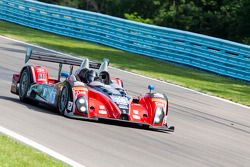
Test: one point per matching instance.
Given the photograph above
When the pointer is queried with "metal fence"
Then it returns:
(208, 53)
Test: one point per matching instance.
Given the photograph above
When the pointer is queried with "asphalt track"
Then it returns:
(209, 132)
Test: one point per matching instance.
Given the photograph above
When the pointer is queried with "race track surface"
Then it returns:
(209, 132)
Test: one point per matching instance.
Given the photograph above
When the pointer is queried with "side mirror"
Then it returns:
(151, 87)
(64, 74)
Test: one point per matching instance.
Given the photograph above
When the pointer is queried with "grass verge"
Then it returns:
(14, 153)
(235, 90)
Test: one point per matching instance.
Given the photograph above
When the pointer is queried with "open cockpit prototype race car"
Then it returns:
(88, 93)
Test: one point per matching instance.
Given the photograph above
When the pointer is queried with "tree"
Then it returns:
(227, 19)
(243, 22)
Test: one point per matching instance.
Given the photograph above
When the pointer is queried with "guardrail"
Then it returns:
(204, 52)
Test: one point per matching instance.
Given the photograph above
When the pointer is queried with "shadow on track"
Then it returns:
(49, 110)
(34, 107)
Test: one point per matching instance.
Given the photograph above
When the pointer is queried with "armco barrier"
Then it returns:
(208, 53)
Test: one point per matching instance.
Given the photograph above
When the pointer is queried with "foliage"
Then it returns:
(135, 17)
(228, 19)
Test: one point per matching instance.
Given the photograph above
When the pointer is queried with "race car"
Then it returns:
(88, 93)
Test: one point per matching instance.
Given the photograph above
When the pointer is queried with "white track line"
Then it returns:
(218, 98)
(39, 147)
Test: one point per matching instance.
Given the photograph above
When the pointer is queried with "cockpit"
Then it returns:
(87, 76)
(100, 81)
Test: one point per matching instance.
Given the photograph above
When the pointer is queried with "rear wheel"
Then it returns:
(24, 85)
(63, 100)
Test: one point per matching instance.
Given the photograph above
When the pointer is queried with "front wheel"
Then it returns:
(144, 126)
(24, 85)
(63, 100)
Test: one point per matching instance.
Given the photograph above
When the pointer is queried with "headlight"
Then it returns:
(81, 100)
(159, 115)
(82, 109)
(81, 104)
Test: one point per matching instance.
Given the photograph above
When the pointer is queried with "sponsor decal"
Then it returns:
(45, 90)
(158, 95)
(102, 107)
(70, 105)
(52, 96)
(123, 106)
(135, 111)
(120, 100)
(80, 88)
(77, 92)
(45, 93)
(136, 117)
(102, 112)
(158, 100)
(41, 76)
(40, 70)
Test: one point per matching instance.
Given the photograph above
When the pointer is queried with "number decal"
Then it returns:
(70, 105)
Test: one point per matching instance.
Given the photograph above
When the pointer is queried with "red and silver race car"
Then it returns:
(90, 92)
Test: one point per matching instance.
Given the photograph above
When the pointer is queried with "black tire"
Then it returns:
(24, 85)
(146, 127)
(63, 99)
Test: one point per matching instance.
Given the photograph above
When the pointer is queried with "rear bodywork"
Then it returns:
(91, 100)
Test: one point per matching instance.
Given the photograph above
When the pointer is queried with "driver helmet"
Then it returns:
(91, 75)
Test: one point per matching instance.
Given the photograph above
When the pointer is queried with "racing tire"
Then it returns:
(145, 127)
(24, 85)
(63, 99)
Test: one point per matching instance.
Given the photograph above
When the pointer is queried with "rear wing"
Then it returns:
(57, 58)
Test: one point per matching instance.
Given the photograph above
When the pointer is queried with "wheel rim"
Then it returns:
(63, 99)
(24, 84)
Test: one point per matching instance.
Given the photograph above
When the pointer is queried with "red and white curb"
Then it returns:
(39, 147)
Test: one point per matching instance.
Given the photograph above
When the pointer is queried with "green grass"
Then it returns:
(13, 153)
(235, 90)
